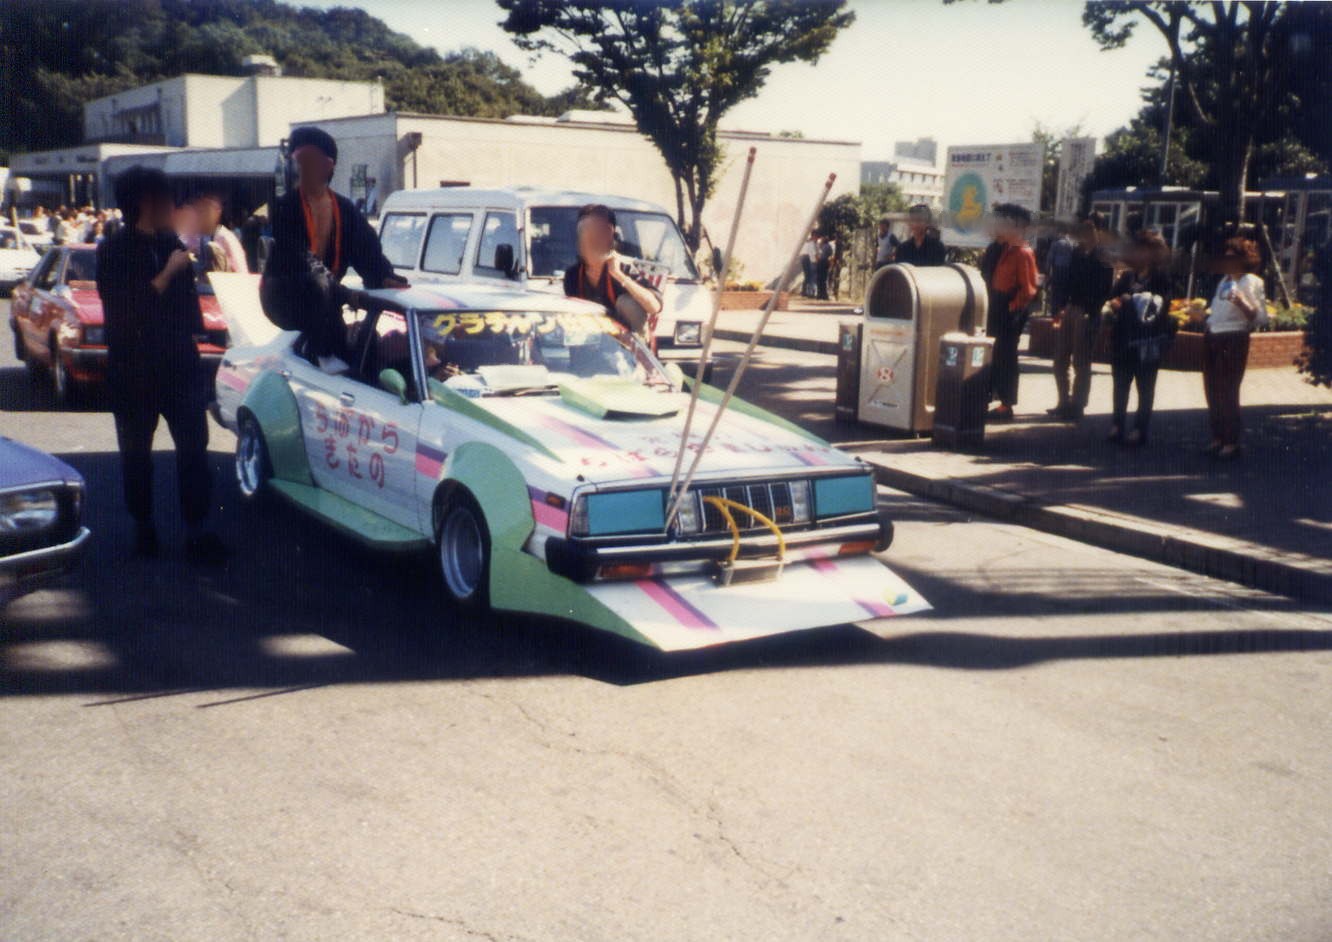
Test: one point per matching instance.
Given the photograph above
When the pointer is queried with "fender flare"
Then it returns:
(273, 405)
(500, 489)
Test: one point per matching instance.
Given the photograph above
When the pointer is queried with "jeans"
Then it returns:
(136, 422)
(1073, 348)
(1224, 358)
(1005, 327)
(807, 268)
(1128, 367)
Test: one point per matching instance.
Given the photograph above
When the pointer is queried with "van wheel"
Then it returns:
(253, 468)
(464, 552)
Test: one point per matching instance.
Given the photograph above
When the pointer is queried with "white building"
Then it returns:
(919, 181)
(597, 153)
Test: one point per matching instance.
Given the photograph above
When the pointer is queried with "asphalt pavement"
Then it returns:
(308, 744)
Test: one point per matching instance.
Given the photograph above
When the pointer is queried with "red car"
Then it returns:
(56, 317)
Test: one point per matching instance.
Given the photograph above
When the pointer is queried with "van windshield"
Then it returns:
(653, 237)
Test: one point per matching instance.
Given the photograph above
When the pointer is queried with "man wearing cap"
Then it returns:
(317, 236)
(923, 247)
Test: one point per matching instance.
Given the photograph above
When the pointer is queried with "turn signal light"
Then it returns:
(625, 571)
(856, 548)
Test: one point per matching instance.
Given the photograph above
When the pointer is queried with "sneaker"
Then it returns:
(146, 543)
(333, 365)
(1058, 412)
(206, 549)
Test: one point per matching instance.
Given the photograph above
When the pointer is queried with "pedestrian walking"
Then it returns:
(1238, 308)
(885, 245)
(822, 263)
(1088, 281)
(1141, 333)
(922, 246)
(152, 314)
(317, 236)
(809, 253)
(1011, 285)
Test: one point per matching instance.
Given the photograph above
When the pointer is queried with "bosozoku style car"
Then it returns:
(529, 440)
(41, 501)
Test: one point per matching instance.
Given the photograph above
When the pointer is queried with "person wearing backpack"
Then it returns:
(1141, 332)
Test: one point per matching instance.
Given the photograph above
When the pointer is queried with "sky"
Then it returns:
(967, 73)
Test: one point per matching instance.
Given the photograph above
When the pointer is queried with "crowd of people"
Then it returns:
(67, 225)
(1087, 276)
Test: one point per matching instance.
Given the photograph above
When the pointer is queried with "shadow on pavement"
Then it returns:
(298, 607)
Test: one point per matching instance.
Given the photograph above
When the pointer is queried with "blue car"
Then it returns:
(41, 505)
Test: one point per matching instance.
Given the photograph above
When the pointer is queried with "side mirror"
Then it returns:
(717, 264)
(505, 261)
(394, 382)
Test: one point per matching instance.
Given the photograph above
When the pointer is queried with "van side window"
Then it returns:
(400, 238)
(446, 242)
(500, 229)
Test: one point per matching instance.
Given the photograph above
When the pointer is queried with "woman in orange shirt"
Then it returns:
(1010, 275)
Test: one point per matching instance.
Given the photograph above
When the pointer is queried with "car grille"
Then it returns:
(770, 498)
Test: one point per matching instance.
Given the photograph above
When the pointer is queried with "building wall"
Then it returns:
(165, 100)
(283, 101)
(219, 111)
(785, 182)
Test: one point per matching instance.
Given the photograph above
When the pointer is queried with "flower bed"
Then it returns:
(1267, 349)
(739, 299)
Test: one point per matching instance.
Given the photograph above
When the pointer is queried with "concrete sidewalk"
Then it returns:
(807, 326)
(1264, 521)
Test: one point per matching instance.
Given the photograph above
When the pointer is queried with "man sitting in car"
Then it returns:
(600, 275)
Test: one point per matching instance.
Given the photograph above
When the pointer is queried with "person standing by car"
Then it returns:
(600, 276)
(1238, 308)
(208, 207)
(1011, 285)
(317, 236)
(152, 315)
(923, 247)
(1142, 331)
(1088, 282)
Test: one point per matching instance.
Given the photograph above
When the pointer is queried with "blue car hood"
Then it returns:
(20, 464)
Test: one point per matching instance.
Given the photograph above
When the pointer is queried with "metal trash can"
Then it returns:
(848, 370)
(907, 311)
(963, 393)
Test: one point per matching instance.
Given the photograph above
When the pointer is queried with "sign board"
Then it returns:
(1077, 155)
(978, 176)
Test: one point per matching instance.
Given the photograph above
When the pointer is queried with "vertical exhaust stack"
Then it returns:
(778, 288)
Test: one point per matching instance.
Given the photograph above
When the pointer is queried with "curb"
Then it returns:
(826, 347)
(1105, 531)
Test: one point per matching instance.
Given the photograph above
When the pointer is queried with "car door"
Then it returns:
(45, 309)
(360, 440)
(499, 228)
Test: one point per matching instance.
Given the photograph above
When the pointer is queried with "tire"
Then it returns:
(20, 348)
(463, 552)
(254, 469)
(62, 390)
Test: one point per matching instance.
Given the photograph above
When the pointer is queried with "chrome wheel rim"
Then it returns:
(249, 460)
(58, 379)
(461, 553)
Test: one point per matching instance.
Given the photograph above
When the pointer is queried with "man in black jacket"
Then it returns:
(317, 236)
(922, 247)
(152, 315)
(1086, 288)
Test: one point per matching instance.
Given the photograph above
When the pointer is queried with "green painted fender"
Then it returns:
(519, 582)
(271, 401)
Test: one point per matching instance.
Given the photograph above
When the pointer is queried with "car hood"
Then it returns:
(21, 464)
(621, 447)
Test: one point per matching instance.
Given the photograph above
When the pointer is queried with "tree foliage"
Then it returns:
(67, 51)
(678, 67)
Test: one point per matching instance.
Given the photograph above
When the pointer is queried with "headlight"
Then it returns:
(28, 511)
(688, 333)
(616, 512)
(94, 335)
(840, 496)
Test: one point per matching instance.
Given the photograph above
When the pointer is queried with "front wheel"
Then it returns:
(464, 553)
(61, 389)
(253, 468)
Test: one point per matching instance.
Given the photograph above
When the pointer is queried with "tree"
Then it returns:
(1235, 64)
(1052, 146)
(678, 67)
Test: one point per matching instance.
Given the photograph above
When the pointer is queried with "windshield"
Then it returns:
(82, 266)
(654, 237)
(496, 352)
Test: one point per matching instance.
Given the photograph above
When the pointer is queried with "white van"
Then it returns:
(525, 235)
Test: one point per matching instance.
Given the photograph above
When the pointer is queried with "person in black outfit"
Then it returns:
(1087, 283)
(922, 247)
(317, 236)
(823, 258)
(1141, 333)
(152, 315)
(600, 276)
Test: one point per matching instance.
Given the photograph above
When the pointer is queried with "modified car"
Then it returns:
(528, 441)
(41, 502)
(56, 318)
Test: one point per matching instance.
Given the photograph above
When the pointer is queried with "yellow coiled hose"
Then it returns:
(725, 505)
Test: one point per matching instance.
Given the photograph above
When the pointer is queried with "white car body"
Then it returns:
(569, 475)
(18, 256)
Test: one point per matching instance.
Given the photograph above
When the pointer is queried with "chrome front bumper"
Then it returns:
(23, 572)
